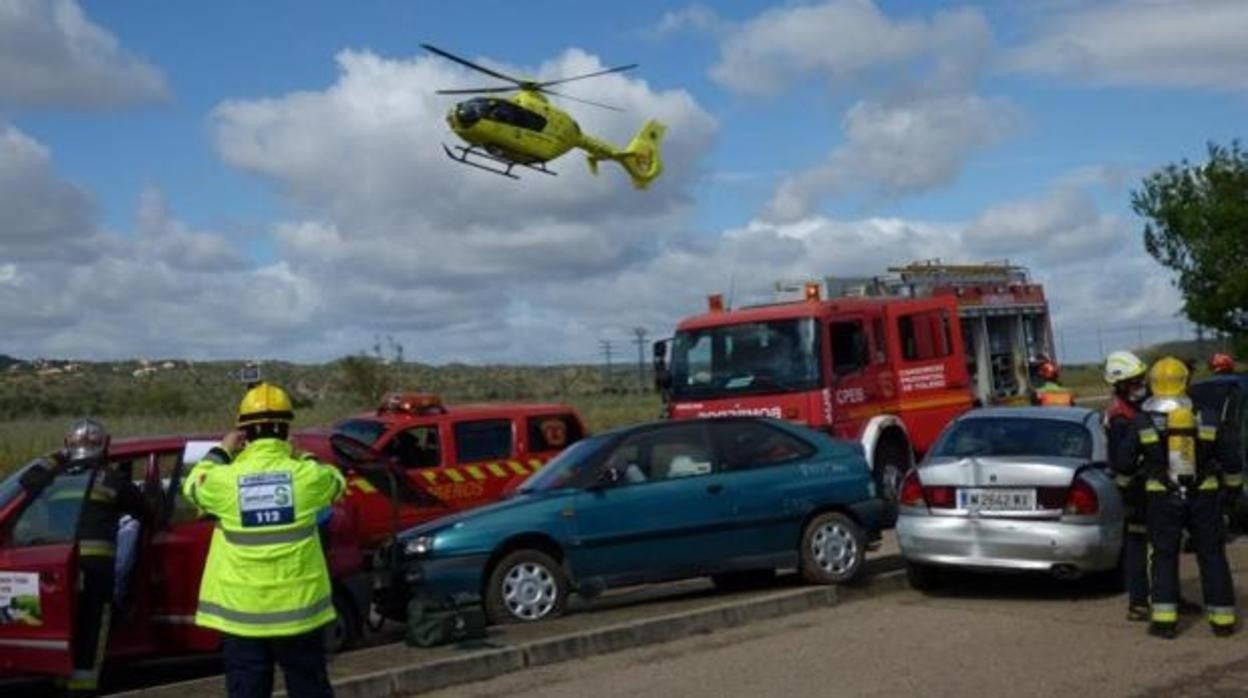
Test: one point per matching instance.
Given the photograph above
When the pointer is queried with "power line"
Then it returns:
(605, 345)
(639, 338)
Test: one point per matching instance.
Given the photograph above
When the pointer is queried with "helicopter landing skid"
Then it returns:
(466, 155)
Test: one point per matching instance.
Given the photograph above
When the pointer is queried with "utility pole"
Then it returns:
(605, 346)
(639, 338)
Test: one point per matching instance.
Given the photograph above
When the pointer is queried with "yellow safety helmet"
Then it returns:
(1168, 377)
(265, 404)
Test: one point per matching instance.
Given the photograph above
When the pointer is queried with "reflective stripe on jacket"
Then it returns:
(266, 575)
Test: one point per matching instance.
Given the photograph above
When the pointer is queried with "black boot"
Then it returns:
(1165, 631)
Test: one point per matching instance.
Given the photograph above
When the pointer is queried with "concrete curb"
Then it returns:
(478, 666)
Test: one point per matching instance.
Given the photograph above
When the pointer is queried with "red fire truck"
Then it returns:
(887, 361)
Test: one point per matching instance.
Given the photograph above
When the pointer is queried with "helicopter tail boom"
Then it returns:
(641, 159)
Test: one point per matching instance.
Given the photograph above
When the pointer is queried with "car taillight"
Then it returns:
(1082, 499)
(911, 494)
(940, 497)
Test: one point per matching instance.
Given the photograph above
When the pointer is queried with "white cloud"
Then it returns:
(896, 149)
(694, 18)
(163, 238)
(45, 217)
(52, 55)
(843, 40)
(1168, 43)
(921, 121)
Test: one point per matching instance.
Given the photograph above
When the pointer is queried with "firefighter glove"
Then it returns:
(36, 478)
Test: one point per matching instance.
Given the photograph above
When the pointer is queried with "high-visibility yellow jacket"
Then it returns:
(266, 575)
(1054, 395)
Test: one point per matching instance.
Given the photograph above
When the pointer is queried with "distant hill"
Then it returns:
(7, 361)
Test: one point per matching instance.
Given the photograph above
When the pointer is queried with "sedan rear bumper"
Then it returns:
(1009, 544)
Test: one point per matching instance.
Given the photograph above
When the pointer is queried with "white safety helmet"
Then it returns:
(1123, 365)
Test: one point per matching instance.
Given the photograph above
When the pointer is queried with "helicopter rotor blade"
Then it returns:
(578, 99)
(476, 90)
(469, 64)
(617, 69)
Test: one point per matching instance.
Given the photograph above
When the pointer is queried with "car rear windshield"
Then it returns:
(365, 431)
(1014, 436)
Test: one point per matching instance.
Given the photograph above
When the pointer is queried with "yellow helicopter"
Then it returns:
(525, 130)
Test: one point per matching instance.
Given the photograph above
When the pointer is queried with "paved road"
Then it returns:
(992, 636)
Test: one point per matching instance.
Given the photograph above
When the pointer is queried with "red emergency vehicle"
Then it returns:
(38, 567)
(438, 458)
(441, 458)
(887, 361)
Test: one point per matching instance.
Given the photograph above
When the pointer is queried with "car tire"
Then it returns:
(524, 587)
(744, 580)
(923, 577)
(833, 549)
(346, 630)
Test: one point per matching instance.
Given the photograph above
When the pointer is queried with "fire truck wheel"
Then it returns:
(344, 633)
(892, 460)
(525, 586)
(833, 549)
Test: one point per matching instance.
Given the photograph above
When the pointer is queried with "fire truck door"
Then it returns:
(852, 386)
(39, 577)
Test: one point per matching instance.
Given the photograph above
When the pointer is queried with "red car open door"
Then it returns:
(38, 577)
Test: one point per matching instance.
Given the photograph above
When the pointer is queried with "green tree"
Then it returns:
(1197, 225)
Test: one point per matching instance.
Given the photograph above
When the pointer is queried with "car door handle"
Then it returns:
(715, 488)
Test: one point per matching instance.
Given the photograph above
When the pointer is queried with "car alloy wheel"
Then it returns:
(530, 591)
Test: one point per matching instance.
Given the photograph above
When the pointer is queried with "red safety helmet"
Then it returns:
(1222, 363)
(1047, 370)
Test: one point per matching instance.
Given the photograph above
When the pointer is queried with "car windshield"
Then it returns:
(366, 431)
(755, 357)
(52, 517)
(11, 486)
(1014, 436)
(565, 469)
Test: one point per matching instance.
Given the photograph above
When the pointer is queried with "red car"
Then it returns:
(434, 460)
(38, 568)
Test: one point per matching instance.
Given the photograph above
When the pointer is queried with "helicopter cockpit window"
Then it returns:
(471, 111)
(515, 115)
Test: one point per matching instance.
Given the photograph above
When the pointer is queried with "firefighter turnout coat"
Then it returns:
(266, 574)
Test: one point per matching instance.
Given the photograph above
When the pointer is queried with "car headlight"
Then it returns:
(420, 545)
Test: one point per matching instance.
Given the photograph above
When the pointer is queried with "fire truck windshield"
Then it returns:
(746, 358)
(366, 431)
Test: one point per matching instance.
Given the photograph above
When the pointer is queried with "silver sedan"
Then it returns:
(1013, 489)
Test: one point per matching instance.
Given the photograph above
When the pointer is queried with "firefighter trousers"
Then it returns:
(1170, 512)
(249, 665)
(91, 623)
(1135, 557)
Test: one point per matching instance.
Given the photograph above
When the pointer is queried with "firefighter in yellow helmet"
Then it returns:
(1187, 475)
(266, 585)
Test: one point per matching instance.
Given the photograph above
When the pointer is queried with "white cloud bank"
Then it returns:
(51, 55)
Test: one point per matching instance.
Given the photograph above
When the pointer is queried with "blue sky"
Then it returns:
(827, 137)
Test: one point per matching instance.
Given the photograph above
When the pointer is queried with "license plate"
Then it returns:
(977, 499)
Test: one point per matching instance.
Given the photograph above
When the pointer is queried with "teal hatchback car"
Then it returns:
(732, 498)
